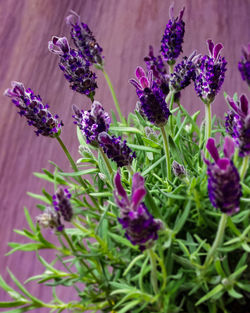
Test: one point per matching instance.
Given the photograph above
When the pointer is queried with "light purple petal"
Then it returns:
(139, 72)
(210, 46)
(212, 149)
(137, 197)
(181, 14)
(150, 78)
(223, 163)
(135, 83)
(117, 182)
(17, 90)
(137, 183)
(73, 18)
(171, 11)
(233, 105)
(244, 105)
(228, 147)
(217, 50)
(144, 82)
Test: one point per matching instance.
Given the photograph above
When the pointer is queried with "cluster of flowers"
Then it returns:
(207, 72)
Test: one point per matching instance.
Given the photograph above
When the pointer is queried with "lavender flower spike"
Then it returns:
(84, 39)
(75, 67)
(50, 218)
(62, 204)
(244, 64)
(171, 43)
(92, 122)
(116, 149)
(238, 124)
(141, 227)
(152, 99)
(210, 73)
(224, 187)
(34, 110)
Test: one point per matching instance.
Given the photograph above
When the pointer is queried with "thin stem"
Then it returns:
(171, 68)
(218, 239)
(208, 129)
(167, 153)
(244, 167)
(106, 160)
(172, 93)
(111, 88)
(153, 270)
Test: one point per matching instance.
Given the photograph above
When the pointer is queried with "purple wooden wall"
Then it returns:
(124, 29)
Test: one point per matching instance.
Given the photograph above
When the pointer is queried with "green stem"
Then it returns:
(170, 109)
(171, 68)
(218, 239)
(153, 270)
(208, 129)
(111, 88)
(244, 167)
(106, 160)
(167, 153)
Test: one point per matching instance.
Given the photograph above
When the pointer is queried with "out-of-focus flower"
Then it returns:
(92, 122)
(210, 73)
(74, 66)
(184, 73)
(50, 218)
(244, 64)
(224, 187)
(84, 39)
(238, 124)
(141, 227)
(152, 99)
(178, 169)
(171, 43)
(116, 149)
(62, 204)
(34, 110)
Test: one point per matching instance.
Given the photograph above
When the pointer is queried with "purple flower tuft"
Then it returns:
(141, 227)
(34, 110)
(238, 124)
(62, 204)
(50, 218)
(224, 187)
(171, 43)
(244, 64)
(74, 66)
(84, 39)
(116, 149)
(210, 73)
(92, 122)
(152, 99)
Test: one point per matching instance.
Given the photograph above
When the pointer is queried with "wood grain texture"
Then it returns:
(124, 29)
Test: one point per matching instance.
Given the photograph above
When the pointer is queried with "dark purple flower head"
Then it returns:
(184, 73)
(224, 187)
(244, 64)
(116, 149)
(62, 204)
(84, 39)
(50, 218)
(210, 73)
(178, 169)
(92, 122)
(34, 110)
(141, 227)
(74, 66)
(238, 124)
(152, 99)
(171, 43)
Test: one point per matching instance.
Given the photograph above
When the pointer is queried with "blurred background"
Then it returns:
(124, 29)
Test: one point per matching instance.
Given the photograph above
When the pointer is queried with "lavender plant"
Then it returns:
(153, 220)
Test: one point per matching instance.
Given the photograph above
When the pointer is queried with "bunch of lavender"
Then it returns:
(154, 217)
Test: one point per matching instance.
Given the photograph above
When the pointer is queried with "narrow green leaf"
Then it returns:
(136, 259)
(181, 220)
(143, 148)
(151, 167)
(12, 304)
(124, 129)
(130, 305)
(210, 294)
(123, 241)
(29, 220)
(39, 197)
(80, 173)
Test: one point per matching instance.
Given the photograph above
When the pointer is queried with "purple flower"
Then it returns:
(152, 99)
(224, 187)
(34, 110)
(92, 122)
(141, 227)
(238, 124)
(74, 66)
(178, 169)
(244, 64)
(62, 204)
(84, 39)
(171, 43)
(184, 73)
(50, 218)
(116, 149)
(210, 73)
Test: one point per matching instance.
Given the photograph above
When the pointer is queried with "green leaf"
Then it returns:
(151, 167)
(130, 305)
(123, 241)
(233, 293)
(29, 220)
(210, 294)
(39, 197)
(136, 259)
(143, 148)
(180, 221)
(104, 194)
(12, 304)
(124, 129)
(80, 173)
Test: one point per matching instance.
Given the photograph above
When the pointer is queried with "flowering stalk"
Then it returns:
(106, 160)
(153, 270)
(167, 153)
(208, 123)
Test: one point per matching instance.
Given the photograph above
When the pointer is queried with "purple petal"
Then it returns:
(144, 82)
(117, 181)
(139, 72)
(210, 46)
(244, 104)
(135, 83)
(171, 11)
(228, 147)
(233, 105)
(181, 14)
(217, 50)
(223, 163)
(137, 197)
(73, 18)
(212, 149)
(137, 183)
